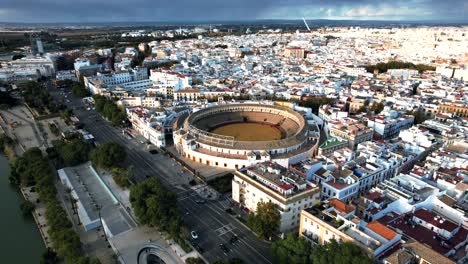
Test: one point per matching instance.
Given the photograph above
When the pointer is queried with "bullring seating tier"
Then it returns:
(201, 122)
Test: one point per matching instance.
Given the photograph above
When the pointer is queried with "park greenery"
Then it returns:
(109, 110)
(27, 208)
(33, 169)
(265, 221)
(377, 107)
(294, 250)
(49, 257)
(419, 116)
(384, 67)
(122, 176)
(155, 206)
(39, 98)
(7, 146)
(315, 102)
(66, 153)
(108, 155)
(54, 129)
(79, 90)
(6, 100)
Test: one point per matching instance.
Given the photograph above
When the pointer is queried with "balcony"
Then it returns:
(310, 237)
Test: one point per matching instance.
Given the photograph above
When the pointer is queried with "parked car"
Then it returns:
(233, 239)
(194, 235)
(224, 248)
(200, 201)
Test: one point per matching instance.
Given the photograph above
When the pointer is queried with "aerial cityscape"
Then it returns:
(276, 132)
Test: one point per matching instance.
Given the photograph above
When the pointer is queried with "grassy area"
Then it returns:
(222, 184)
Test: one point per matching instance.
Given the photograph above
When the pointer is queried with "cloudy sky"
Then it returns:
(202, 10)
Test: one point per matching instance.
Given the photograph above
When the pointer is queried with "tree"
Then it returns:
(292, 250)
(79, 90)
(266, 220)
(30, 167)
(377, 107)
(73, 152)
(7, 100)
(155, 206)
(49, 257)
(315, 102)
(193, 260)
(383, 67)
(108, 155)
(419, 116)
(121, 176)
(27, 208)
(109, 110)
(334, 252)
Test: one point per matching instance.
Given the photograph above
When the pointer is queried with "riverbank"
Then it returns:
(38, 213)
(20, 240)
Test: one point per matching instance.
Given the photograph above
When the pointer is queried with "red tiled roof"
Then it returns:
(340, 206)
(381, 230)
(336, 185)
(428, 216)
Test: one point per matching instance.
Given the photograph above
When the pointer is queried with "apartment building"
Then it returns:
(389, 124)
(354, 132)
(169, 78)
(294, 52)
(149, 124)
(269, 181)
(335, 220)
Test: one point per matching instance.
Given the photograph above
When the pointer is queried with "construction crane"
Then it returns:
(305, 22)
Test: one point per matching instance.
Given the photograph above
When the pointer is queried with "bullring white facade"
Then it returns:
(194, 141)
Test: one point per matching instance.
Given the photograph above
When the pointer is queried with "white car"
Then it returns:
(194, 235)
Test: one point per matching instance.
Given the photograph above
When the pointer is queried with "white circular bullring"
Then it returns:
(238, 135)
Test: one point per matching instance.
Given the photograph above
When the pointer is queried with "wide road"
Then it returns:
(213, 225)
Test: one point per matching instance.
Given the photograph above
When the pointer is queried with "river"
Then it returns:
(20, 240)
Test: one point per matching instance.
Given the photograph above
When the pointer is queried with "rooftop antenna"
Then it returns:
(305, 22)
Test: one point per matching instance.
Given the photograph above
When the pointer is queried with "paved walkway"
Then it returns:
(38, 214)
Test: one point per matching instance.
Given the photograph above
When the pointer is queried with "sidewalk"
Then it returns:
(38, 214)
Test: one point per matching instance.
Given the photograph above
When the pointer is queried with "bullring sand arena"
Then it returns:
(234, 136)
(249, 131)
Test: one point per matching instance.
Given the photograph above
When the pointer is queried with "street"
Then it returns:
(213, 225)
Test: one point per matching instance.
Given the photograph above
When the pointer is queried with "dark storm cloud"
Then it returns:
(196, 10)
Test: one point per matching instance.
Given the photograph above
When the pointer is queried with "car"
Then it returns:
(153, 151)
(224, 248)
(234, 239)
(200, 201)
(194, 235)
(229, 211)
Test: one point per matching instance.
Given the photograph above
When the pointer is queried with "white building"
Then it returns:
(27, 68)
(168, 78)
(81, 62)
(389, 124)
(270, 182)
(149, 124)
(66, 75)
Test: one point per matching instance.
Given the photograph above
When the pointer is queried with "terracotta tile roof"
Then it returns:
(340, 206)
(428, 216)
(381, 230)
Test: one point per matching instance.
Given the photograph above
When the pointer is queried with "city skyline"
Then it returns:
(67, 11)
